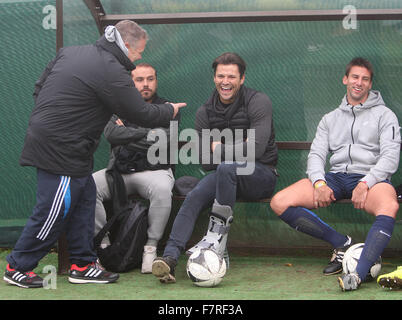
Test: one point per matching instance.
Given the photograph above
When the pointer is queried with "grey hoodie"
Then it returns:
(362, 139)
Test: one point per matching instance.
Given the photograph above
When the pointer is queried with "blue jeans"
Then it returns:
(224, 185)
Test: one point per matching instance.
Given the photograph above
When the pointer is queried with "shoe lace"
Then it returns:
(97, 265)
(337, 255)
(31, 274)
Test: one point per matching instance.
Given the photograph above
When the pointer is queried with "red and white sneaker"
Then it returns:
(28, 279)
(91, 274)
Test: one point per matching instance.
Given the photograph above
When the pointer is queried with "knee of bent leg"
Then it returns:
(226, 168)
(160, 191)
(388, 208)
(278, 203)
(393, 208)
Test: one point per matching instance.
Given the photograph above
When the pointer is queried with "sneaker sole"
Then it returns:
(341, 284)
(332, 273)
(161, 270)
(390, 283)
(10, 281)
(82, 281)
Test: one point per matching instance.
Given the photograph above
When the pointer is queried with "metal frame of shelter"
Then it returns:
(102, 19)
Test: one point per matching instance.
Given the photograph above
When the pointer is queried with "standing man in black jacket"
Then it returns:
(74, 99)
(243, 117)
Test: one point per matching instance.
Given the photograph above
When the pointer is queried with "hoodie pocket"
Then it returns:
(368, 135)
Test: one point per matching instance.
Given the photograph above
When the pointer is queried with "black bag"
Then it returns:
(132, 160)
(128, 235)
(399, 191)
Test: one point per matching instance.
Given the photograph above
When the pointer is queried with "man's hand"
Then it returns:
(177, 106)
(119, 122)
(323, 196)
(359, 195)
(214, 144)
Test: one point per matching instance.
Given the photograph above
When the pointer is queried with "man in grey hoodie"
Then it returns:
(363, 140)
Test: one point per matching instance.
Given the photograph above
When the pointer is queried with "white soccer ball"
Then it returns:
(351, 258)
(205, 268)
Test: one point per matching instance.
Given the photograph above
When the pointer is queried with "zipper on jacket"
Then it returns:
(353, 139)
(393, 133)
(353, 124)
(350, 158)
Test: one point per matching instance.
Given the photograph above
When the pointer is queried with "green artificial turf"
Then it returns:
(249, 278)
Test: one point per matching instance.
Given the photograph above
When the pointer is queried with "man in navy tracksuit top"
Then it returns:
(74, 99)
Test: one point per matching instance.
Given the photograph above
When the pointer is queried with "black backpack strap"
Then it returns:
(119, 200)
(117, 189)
(99, 237)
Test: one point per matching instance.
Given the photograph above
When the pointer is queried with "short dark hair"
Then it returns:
(144, 64)
(230, 58)
(360, 62)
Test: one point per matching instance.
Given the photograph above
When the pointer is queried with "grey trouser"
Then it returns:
(156, 186)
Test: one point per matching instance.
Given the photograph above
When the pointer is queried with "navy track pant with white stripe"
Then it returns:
(63, 203)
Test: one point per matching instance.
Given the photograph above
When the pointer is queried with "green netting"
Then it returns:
(298, 64)
(26, 47)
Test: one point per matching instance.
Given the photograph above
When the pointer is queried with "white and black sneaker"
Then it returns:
(335, 265)
(28, 279)
(349, 281)
(90, 274)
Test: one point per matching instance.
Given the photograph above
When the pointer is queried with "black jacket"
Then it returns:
(251, 109)
(75, 97)
(130, 144)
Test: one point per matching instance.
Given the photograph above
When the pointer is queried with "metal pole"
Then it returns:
(62, 246)
(59, 24)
